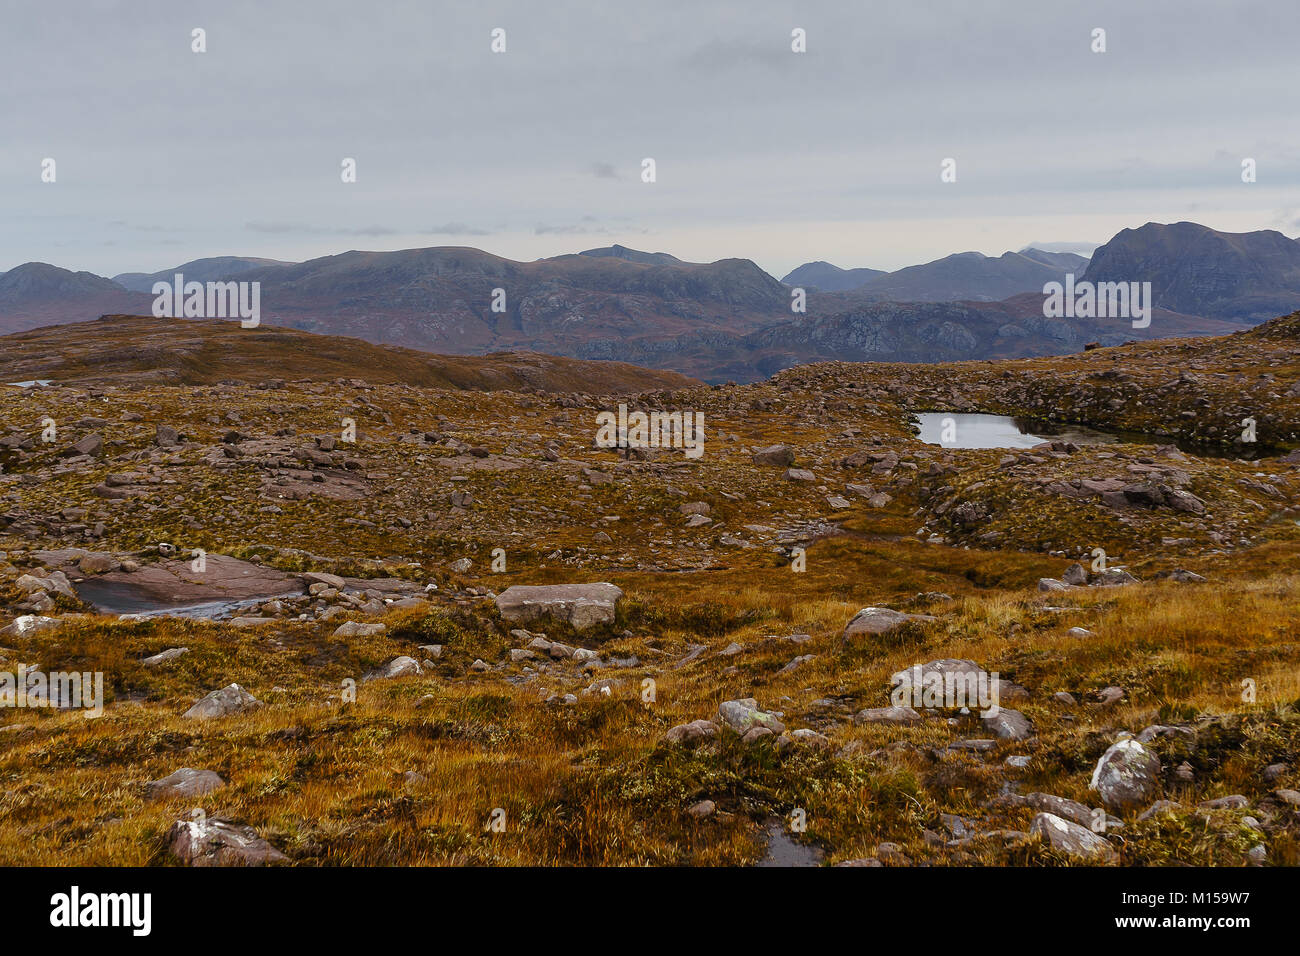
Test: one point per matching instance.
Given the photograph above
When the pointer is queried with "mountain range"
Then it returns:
(717, 320)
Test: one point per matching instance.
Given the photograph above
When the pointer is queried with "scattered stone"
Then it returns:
(208, 841)
(702, 810)
(231, 699)
(693, 734)
(743, 715)
(887, 715)
(880, 620)
(397, 667)
(186, 782)
(1072, 838)
(1235, 801)
(162, 657)
(1157, 808)
(1127, 775)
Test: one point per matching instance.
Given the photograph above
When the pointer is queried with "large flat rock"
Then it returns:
(580, 605)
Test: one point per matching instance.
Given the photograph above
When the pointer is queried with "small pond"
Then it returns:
(1001, 431)
(978, 430)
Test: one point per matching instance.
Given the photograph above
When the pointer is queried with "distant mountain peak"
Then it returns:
(826, 277)
(617, 251)
(1196, 270)
(197, 270)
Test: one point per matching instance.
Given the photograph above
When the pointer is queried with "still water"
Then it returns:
(1002, 431)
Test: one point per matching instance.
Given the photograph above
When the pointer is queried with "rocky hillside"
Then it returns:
(896, 332)
(129, 350)
(467, 635)
(719, 321)
(441, 299)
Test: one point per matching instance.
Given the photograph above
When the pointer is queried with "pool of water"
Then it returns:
(962, 430)
(782, 851)
(118, 597)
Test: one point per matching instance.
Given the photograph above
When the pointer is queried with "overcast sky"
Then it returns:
(165, 155)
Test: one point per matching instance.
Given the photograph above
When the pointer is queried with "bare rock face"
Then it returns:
(213, 842)
(231, 699)
(580, 605)
(1071, 838)
(1127, 776)
(186, 782)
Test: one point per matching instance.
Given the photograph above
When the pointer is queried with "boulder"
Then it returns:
(1127, 775)
(1070, 810)
(1075, 574)
(92, 445)
(879, 620)
(213, 842)
(28, 624)
(743, 715)
(887, 715)
(780, 456)
(397, 667)
(693, 734)
(1008, 724)
(1071, 838)
(357, 629)
(231, 699)
(580, 605)
(186, 782)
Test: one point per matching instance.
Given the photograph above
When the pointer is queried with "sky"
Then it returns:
(163, 154)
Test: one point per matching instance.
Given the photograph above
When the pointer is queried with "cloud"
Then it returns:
(298, 228)
(455, 229)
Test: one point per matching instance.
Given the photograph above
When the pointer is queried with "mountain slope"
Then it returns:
(442, 298)
(1250, 276)
(126, 349)
(830, 278)
(37, 294)
(967, 276)
(196, 270)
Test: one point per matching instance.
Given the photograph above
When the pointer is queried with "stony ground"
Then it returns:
(376, 688)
